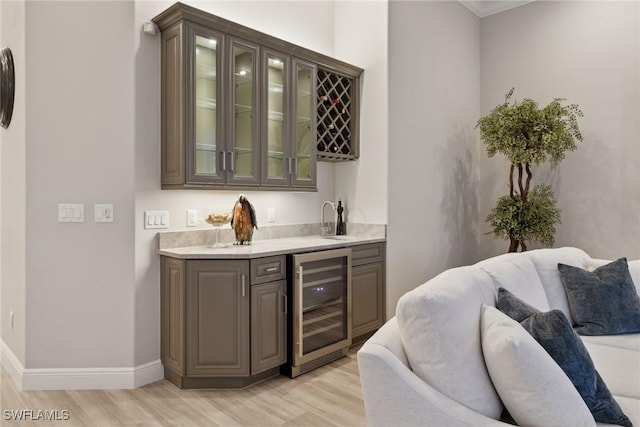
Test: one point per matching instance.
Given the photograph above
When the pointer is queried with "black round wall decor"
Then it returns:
(7, 86)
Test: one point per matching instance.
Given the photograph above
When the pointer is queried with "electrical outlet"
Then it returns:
(192, 217)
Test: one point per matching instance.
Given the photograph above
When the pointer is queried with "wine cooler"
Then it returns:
(320, 303)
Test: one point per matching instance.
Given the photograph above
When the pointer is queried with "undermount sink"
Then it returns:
(335, 237)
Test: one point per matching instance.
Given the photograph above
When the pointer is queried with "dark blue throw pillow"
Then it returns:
(553, 331)
(603, 301)
(513, 306)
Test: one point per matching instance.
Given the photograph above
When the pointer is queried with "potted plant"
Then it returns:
(528, 136)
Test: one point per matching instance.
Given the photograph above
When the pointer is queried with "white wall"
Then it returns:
(434, 92)
(588, 53)
(362, 39)
(13, 187)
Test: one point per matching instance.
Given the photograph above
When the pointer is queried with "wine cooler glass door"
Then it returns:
(323, 303)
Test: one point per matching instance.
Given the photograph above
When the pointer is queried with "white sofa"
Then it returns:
(440, 335)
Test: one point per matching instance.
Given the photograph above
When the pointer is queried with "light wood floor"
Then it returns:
(327, 396)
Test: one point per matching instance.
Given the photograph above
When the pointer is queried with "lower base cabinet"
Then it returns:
(220, 329)
(268, 326)
(368, 290)
(223, 322)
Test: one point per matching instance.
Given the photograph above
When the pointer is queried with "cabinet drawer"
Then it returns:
(366, 254)
(268, 269)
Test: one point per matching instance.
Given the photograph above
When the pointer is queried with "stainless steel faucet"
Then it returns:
(325, 230)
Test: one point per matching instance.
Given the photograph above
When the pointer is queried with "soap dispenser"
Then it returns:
(340, 226)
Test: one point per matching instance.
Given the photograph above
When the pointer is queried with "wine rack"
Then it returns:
(336, 140)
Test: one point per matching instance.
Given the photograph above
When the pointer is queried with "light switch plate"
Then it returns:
(271, 214)
(192, 217)
(70, 212)
(156, 219)
(103, 213)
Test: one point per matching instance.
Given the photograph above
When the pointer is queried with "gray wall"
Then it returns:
(434, 93)
(588, 53)
(80, 149)
(13, 196)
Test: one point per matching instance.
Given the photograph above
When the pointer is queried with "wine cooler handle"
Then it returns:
(233, 160)
(224, 160)
(295, 166)
(300, 346)
(244, 292)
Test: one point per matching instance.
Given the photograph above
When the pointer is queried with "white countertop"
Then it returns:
(268, 247)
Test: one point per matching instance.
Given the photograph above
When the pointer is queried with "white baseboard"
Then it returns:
(11, 364)
(79, 378)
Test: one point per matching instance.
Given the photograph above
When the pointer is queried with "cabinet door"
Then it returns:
(217, 318)
(172, 300)
(242, 161)
(268, 323)
(368, 298)
(304, 126)
(173, 161)
(204, 148)
(276, 158)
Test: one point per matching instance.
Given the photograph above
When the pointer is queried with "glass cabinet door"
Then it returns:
(277, 161)
(203, 98)
(304, 139)
(242, 162)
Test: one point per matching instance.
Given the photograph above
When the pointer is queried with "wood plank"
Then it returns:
(327, 396)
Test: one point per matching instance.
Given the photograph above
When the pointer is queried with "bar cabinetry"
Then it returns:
(239, 107)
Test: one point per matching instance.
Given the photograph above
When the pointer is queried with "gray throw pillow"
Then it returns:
(513, 306)
(553, 331)
(603, 301)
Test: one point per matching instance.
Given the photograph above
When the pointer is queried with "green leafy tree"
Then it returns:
(528, 136)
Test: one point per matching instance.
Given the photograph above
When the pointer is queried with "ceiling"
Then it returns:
(485, 8)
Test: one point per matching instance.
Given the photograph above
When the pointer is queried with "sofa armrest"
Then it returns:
(395, 396)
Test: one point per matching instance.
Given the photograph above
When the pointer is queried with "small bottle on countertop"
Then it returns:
(340, 226)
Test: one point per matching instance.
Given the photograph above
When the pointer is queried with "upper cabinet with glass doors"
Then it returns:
(288, 113)
(239, 107)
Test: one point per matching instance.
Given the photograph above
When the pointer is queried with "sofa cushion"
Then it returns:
(516, 273)
(603, 301)
(532, 386)
(546, 263)
(438, 324)
(609, 353)
(555, 334)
